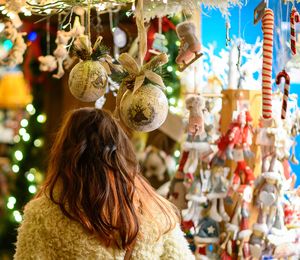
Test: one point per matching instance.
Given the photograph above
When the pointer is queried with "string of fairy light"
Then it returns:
(32, 175)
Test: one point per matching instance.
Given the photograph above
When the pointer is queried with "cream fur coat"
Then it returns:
(46, 233)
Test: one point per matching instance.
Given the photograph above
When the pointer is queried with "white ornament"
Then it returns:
(146, 109)
(88, 81)
(120, 38)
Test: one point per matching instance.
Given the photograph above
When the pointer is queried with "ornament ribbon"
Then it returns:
(138, 74)
(142, 34)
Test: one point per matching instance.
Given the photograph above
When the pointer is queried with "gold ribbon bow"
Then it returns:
(138, 74)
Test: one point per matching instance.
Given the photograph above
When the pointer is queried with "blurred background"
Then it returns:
(33, 103)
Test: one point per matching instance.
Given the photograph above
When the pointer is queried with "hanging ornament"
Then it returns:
(159, 41)
(228, 27)
(120, 38)
(60, 58)
(190, 47)
(146, 109)
(267, 27)
(283, 74)
(18, 46)
(294, 18)
(144, 106)
(158, 45)
(88, 79)
(47, 63)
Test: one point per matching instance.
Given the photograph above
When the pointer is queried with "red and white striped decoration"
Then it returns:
(267, 27)
(294, 18)
(283, 74)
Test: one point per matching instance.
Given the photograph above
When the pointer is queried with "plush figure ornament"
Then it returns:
(195, 104)
(60, 55)
(190, 47)
(218, 193)
(266, 141)
(228, 244)
(238, 137)
(16, 54)
(143, 106)
(198, 150)
(268, 192)
(47, 63)
(178, 191)
(258, 240)
(61, 52)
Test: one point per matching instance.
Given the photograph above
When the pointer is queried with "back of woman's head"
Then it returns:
(93, 164)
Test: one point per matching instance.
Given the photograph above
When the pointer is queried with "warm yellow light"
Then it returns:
(169, 89)
(17, 216)
(32, 189)
(41, 118)
(30, 177)
(19, 155)
(177, 153)
(172, 101)
(26, 137)
(38, 142)
(24, 122)
(170, 68)
(17, 139)
(22, 131)
(30, 109)
(15, 168)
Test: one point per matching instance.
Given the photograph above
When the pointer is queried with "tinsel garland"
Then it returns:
(158, 8)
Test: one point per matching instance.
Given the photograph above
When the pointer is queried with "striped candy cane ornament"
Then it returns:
(283, 74)
(294, 18)
(267, 27)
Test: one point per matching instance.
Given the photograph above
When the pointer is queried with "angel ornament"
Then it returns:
(218, 193)
(267, 197)
(198, 150)
(266, 140)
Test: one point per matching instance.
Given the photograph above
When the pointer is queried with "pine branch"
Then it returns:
(119, 76)
(100, 51)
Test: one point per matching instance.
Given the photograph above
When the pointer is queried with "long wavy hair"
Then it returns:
(93, 163)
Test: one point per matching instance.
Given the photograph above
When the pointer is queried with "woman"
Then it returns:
(94, 203)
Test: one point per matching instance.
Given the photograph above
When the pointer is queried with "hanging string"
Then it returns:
(287, 19)
(195, 80)
(239, 43)
(228, 26)
(89, 20)
(159, 25)
(70, 14)
(112, 28)
(110, 16)
(48, 35)
(58, 21)
(142, 34)
(240, 22)
(286, 33)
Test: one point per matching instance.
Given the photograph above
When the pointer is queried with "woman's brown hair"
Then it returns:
(94, 165)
